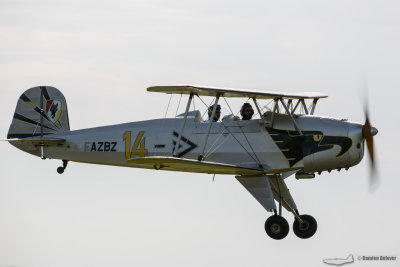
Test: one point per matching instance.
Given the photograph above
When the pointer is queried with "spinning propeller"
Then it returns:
(368, 132)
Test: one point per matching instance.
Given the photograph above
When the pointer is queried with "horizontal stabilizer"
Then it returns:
(37, 141)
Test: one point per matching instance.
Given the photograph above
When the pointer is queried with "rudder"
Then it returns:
(30, 121)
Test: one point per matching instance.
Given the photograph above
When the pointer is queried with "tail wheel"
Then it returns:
(306, 229)
(60, 170)
(276, 227)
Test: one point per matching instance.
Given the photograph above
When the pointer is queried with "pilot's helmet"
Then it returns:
(210, 109)
(244, 115)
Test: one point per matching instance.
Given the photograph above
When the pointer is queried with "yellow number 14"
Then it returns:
(138, 148)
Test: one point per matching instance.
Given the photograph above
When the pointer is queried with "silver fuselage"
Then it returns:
(325, 144)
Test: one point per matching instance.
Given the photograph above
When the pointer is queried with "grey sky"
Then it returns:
(103, 54)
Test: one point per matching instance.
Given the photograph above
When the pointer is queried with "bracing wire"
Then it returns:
(194, 104)
(202, 101)
(252, 150)
(241, 144)
(256, 158)
(207, 106)
(268, 105)
(194, 109)
(168, 106)
(227, 104)
(241, 130)
(214, 147)
(179, 103)
(163, 123)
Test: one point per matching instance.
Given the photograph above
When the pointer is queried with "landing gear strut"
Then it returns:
(60, 169)
(304, 226)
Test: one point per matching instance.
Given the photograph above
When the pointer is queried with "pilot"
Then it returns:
(246, 111)
(217, 113)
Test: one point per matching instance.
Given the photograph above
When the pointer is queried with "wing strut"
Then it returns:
(313, 106)
(200, 158)
(183, 125)
(276, 110)
(291, 116)
(304, 106)
(259, 110)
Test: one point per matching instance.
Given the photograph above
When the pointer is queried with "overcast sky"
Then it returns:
(103, 54)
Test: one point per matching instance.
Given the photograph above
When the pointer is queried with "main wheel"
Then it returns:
(306, 229)
(60, 170)
(276, 227)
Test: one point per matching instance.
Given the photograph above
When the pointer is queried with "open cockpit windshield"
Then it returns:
(192, 115)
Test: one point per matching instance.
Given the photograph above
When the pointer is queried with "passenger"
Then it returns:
(246, 111)
(216, 115)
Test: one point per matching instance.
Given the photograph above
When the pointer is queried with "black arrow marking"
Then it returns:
(185, 140)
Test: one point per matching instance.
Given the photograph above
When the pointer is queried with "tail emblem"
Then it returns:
(53, 110)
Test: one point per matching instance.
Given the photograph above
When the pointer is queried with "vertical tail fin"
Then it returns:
(40, 111)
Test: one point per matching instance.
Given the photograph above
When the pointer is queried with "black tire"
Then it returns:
(60, 170)
(276, 227)
(306, 229)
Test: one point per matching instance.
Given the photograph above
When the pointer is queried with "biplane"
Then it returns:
(286, 139)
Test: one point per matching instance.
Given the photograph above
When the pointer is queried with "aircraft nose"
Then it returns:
(374, 131)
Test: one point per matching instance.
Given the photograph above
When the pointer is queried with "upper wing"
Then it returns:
(205, 91)
(190, 165)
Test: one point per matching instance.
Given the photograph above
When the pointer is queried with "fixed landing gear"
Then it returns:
(271, 188)
(307, 228)
(278, 228)
(61, 169)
